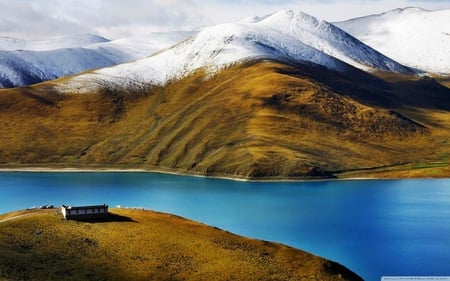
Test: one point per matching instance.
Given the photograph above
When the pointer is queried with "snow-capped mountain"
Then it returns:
(19, 68)
(413, 36)
(25, 62)
(285, 36)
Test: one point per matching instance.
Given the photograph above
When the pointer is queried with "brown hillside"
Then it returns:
(145, 245)
(256, 120)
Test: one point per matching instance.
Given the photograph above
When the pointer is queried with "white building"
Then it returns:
(84, 212)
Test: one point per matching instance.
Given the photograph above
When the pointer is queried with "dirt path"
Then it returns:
(15, 217)
(24, 214)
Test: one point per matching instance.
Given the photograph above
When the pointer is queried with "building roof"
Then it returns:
(85, 207)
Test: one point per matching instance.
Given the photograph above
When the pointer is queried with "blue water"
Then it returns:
(375, 228)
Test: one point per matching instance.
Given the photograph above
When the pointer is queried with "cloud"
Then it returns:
(41, 18)
(121, 18)
(24, 17)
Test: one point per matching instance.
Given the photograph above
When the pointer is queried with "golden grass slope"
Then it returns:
(256, 120)
(145, 245)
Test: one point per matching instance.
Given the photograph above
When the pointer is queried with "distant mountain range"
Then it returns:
(280, 96)
(403, 35)
(26, 62)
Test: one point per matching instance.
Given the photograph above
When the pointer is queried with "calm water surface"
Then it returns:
(375, 228)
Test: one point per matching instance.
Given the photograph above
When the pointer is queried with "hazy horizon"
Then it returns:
(114, 19)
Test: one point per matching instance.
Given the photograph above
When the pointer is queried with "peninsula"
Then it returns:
(145, 245)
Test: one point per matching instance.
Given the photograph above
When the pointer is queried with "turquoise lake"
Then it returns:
(376, 228)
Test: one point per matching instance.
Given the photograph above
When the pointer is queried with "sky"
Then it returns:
(114, 19)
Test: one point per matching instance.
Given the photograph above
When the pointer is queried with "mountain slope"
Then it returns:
(413, 36)
(27, 62)
(285, 36)
(262, 119)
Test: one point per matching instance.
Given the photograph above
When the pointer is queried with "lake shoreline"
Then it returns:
(103, 169)
(164, 172)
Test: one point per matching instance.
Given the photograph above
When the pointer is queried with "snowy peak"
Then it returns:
(413, 36)
(292, 19)
(286, 36)
(295, 35)
(329, 39)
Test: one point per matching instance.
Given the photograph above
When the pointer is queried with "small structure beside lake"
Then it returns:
(84, 212)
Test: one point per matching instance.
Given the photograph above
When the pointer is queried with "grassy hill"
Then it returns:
(146, 245)
(256, 120)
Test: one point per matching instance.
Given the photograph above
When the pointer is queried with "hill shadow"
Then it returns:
(108, 218)
(393, 91)
(425, 92)
(352, 82)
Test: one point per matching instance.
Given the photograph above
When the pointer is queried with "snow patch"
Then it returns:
(413, 36)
